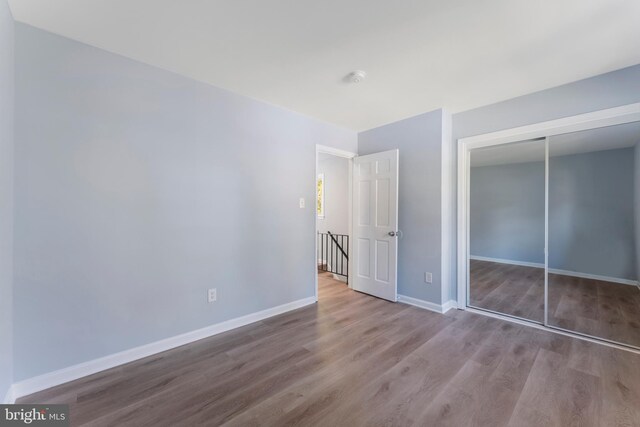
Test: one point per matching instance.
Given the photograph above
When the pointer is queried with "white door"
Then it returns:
(375, 224)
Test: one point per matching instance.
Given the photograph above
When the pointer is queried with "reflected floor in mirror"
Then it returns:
(593, 307)
(509, 289)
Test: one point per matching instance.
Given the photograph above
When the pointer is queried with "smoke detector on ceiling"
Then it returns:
(355, 76)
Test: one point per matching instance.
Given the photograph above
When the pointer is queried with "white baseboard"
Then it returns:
(10, 397)
(324, 262)
(507, 261)
(449, 305)
(51, 379)
(329, 268)
(431, 306)
(594, 277)
(557, 271)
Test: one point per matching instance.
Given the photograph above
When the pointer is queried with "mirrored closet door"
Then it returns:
(594, 230)
(553, 230)
(507, 229)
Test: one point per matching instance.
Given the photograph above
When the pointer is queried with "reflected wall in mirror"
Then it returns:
(507, 229)
(594, 231)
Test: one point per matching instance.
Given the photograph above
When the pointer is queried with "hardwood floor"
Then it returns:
(354, 360)
(594, 307)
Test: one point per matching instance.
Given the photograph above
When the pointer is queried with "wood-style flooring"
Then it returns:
(355, 360)
(594, 307)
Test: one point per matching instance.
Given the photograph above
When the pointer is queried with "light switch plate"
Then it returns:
(301, 202)
(428, 277)
(212, 295)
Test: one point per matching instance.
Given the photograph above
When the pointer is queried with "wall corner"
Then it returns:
(447, 206)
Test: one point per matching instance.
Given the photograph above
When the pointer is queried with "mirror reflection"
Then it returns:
(507, 229)
(594, 230)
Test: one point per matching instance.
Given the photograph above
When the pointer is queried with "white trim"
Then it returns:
(51, 379)
(507, 261)
(594, 277)
(10, 397)
(551, 329)
(609, 117)
(546, 231)
(557, 271)
(335, 151)
(334, 275)
(447, 207)
(449, 305)
(350, 268)
(427, 305)
(339, 278)
(462, 256)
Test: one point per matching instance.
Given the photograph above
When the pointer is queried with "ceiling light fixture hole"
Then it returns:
(355, 76)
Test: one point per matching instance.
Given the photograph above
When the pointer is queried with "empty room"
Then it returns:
(319, 213)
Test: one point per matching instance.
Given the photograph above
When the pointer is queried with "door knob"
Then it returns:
(392, 233)
(395, 233)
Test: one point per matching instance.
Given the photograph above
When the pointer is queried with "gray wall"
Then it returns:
(6, 196)
(591, 213)
(419, 140)
(506, 215)
(608, 90)
(157, 170)
(336, 197)
(138, 189)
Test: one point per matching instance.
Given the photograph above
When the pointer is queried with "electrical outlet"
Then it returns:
(212, 295)
(428, 278)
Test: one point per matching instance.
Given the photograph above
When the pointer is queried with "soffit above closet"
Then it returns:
(418, 55)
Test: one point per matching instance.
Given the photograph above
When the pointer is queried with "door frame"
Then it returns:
(608, 117)
(350, 156)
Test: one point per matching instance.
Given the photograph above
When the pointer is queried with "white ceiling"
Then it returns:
(419, 55)
(600, 139)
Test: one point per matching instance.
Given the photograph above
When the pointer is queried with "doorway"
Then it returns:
(366, 257)
(333, 213)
